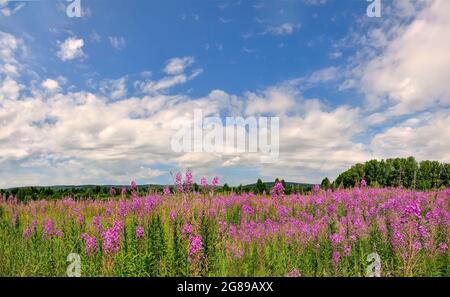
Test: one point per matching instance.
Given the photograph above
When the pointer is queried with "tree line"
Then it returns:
(398, 172)
(104, 192)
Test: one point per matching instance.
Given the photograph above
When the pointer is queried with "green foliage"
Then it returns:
(325, 184)
(398, 172)
(156, 246)
(180, 266)
(209, 237)
(260, 187)
(226, 188)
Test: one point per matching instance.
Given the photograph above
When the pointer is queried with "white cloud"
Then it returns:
(9, 48)
(176, 66)
(83, 137)
(6, 11)
(408, 63)
(114, 89)
(426, 137)
(283, 29)
(9, 69)
(273, 100)
(50, 84)
(71, 48)
(9, 89)
(175, 69)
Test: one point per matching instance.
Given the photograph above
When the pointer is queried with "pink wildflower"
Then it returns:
(215, 181)
(195, 246)
(139, 232)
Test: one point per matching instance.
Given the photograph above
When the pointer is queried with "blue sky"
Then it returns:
(226, 38)
(88, 100)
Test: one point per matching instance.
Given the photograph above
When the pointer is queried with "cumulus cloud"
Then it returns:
(406, 64)
(85, 137)
(9, 89)
(50, 84)
(274, 100)
(70, 49)
(176, 66)
(10, 46)
(424, 137)
(114, 89)
(176, 75)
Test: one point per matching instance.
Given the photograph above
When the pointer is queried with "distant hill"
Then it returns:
(271, 184)
(85, 187)
(102, 191)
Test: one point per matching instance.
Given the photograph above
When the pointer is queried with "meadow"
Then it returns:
(187, 233)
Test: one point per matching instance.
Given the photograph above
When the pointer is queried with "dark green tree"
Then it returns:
(325, 184)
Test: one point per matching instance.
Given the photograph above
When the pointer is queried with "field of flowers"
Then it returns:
(323, 233)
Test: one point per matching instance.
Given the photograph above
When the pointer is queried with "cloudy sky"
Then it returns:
(91, 99)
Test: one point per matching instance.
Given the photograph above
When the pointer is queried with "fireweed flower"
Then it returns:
(34, 225)
(442, 248)
(48, 227)
(166, 191)
(195, 246)
(204, 182)
(347, 250)
(112, 238)
(413, 209)
(150, 203)
(123, 190)
(90, 244)
(172, 215)
(58, 233)
(316, 189)
(123, 209)
(80, 219)
(235, 251)
(133, 185)
(336, 258)
(139, 232)
(417, 246)
(215, 181)
(294, 273)
(14, 218)
(247, 209)
(112, 191)
(27, 233)
(188, 180)
(179, 182)
(97, 222)
(136, 202)
(187, 229)
(277, 190)
(232, 230)
(363, 183)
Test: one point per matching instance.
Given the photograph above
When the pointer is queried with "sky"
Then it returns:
(90, 100)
